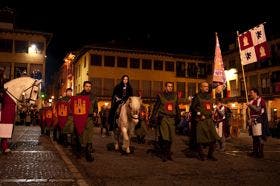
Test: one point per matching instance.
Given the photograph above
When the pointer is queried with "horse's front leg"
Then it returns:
(125, 140)
(116, 136)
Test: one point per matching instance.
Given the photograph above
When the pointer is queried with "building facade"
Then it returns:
(148, 71)
(22, 52)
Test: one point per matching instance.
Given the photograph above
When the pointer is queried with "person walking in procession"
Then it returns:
(165, 115)
(67, 131)
(86, 138)
(204, 132)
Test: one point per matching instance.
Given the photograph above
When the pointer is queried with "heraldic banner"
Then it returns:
(62, 108)
(80, 107)
(7, 117)
(48, 116)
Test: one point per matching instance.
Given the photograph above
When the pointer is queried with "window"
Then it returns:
(202, 70)
(122, 62)
(169, 66)
(96, 60)
(265, 83)
(157, 88)
(6, 45)
(147, 88)
(39, 46)
(108, 87)
(109, 61)
(7, 72)
(36, 71)
(191, 89)
(192, 70)
(135, 86)
(134, 63)
(242, 87)
(96, 86)
(158, 65)
(181, 89)
(146, 64)
(20, 69)
(233, 88)
(85, 62)
(21, 46)
(253, 82)
(180, 69)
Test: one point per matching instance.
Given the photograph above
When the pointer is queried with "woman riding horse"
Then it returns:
(120, 94)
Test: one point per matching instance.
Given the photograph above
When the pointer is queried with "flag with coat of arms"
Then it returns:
(253, 46)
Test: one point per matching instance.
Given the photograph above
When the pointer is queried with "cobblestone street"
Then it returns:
(36, 160)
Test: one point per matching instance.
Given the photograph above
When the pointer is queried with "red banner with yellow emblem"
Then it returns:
(48, 116)
(169, 106)
(80, 107)
(62, 108)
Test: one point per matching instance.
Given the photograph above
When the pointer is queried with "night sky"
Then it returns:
(172, 27)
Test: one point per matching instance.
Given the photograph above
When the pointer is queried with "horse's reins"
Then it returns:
(19, 100)
(32, 87)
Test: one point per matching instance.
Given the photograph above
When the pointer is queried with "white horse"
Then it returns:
(128, 119)
(23, 90)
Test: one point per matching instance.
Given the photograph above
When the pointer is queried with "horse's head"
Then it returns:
(31, 92)
(134, 104)
(23, 89)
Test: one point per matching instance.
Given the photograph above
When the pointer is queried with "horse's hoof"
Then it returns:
(110, 147)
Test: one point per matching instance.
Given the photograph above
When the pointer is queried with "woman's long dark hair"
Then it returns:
(128, 84)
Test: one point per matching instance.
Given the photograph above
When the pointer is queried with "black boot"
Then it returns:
(138, 139)
(211, 152)
(260, 153)
(201, 155)
(164, 150)
(89, 151)
(78, 151)
(255, 149)
(169, 153)
(142, 139)
(64, 140)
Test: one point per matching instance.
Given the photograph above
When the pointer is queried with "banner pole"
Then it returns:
(245, 85)
(243, 74)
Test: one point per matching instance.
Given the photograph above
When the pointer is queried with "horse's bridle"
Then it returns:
(23, 92)
(131, 114)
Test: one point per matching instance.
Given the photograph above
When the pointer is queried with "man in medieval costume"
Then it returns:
(204, 132)
(85, 134)
(258, 123)
(165, 115)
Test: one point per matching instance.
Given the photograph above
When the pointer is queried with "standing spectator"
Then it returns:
(104, 117)
(258, 123)
(228, 114)
(220, 120)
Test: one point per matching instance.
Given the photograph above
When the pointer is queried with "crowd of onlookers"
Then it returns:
(27, 117)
